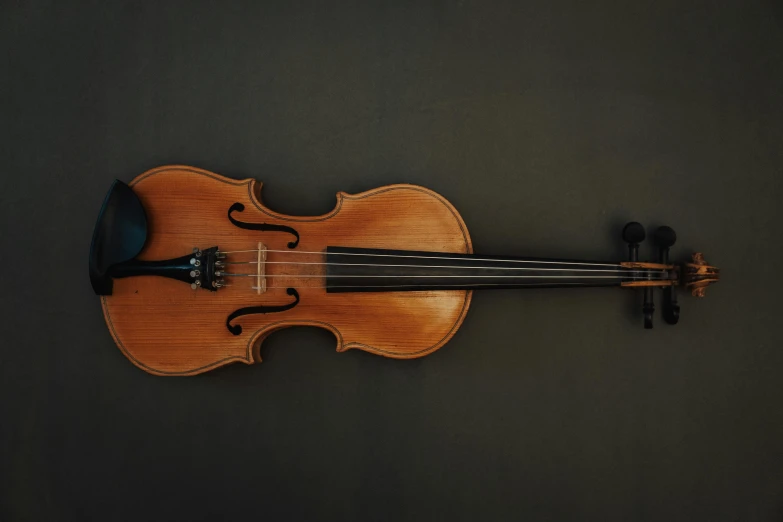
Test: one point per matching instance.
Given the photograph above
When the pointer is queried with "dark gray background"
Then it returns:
(548, 126)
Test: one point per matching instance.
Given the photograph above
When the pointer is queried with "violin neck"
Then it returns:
(374, 270)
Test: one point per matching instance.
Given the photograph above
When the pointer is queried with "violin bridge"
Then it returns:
(261, 269)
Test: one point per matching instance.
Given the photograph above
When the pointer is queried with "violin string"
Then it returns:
(640, 278)
(621, 268)
(424, 257)
(467, 286)
(621, 273)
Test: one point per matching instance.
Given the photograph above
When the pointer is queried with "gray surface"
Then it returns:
(547, 127)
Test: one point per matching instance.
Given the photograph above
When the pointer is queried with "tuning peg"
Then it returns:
(671, 310)
(648, 308)
(633, 234)
(665, 237)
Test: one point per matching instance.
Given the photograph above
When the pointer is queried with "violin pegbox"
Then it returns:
(695, 275)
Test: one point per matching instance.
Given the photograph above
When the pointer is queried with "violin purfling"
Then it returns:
(194, 272)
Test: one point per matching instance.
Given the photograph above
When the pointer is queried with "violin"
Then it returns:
(194, 271)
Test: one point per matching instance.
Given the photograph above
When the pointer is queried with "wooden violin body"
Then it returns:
(166, 328)
(194, 272)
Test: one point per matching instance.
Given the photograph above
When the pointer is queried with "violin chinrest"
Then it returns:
(119, 235)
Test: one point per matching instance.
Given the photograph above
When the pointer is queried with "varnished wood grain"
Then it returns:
(166, 328)
(635, 284)
(698, 275)
(648, 266)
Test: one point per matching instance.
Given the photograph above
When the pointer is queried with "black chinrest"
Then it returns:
(119, 235)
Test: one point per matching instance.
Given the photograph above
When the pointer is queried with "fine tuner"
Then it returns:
(194, 271)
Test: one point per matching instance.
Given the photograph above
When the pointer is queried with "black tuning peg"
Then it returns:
(665, 237)
(671, 310)
(633, 234)
(648, 308)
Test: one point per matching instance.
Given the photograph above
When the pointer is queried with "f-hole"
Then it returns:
(236, 329)
(263, 227)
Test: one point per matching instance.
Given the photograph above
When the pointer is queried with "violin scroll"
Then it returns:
(698, 275)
